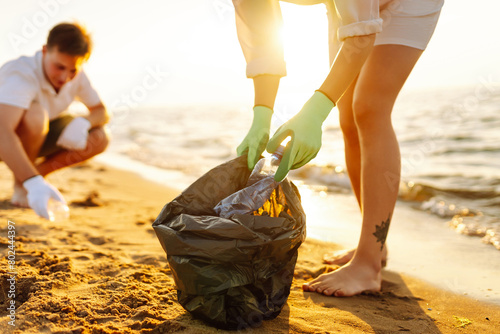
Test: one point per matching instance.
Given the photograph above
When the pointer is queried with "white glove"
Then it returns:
(75, 134)
(39, 192)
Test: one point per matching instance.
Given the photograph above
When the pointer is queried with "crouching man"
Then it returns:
(34, 95)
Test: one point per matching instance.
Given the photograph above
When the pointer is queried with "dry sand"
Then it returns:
(104, 271)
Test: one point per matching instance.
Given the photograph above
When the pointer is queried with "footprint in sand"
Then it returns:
(83, 258)
(309, 273)
(93, 199)
(149, 259)
(99, 240)
(98, 255)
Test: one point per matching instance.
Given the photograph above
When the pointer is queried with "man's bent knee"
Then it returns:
(35, 122)
(99, 139)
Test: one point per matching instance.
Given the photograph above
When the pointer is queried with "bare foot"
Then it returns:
(343, 256)
(19, 197)
(349, 280)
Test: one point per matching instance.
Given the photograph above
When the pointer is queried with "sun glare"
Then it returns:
(305, 36)
(305, 39)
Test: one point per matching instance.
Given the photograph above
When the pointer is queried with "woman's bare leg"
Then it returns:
(353, 160)
(351, 141)
(376, 90)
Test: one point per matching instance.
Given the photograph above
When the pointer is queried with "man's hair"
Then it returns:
(71, 39)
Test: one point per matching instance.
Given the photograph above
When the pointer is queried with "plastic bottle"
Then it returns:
(267, 166)
(257, 191)
(58, 211)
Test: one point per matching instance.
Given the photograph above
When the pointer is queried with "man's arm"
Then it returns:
(98, 115)
(11, 149)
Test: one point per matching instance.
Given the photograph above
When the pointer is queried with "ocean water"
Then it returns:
(449, 140)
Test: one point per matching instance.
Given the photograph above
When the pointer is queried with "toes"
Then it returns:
(308, 287)
(339, 293)
(322, 287)
(316, 286)
(331, 258)
(334, 261)
(329, 292)
(336, 292)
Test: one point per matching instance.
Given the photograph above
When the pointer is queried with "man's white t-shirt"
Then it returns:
(22, 82)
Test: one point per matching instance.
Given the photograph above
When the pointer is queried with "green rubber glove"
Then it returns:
(256, 140)
(305, 130)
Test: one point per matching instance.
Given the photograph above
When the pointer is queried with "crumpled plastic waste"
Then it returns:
(232, 272)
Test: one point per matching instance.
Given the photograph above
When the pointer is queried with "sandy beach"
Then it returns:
(104, 271)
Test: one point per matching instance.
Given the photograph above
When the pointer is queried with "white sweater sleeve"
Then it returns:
(358, 18)
(258, 24)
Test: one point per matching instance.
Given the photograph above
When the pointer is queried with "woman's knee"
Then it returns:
(371, 113)
(346, 120)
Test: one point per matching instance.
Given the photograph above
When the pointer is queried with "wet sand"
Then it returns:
(104, 271)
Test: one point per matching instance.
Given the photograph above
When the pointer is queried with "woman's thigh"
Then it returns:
(381, 79)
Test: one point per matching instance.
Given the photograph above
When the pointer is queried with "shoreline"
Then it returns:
(105, 271)
(414, 234)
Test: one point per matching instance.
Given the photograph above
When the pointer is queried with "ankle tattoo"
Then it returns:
(382, 230)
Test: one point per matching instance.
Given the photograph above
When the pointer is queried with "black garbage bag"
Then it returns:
(233, 273)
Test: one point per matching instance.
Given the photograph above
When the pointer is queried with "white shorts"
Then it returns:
(405, 22)
(408, 22)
